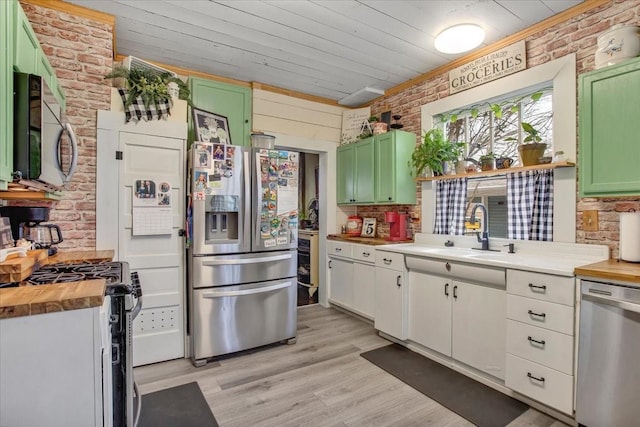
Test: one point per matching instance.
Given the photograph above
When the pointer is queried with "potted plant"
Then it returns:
(488, 161)
(532, 147)
(151, 87)
(434, 150)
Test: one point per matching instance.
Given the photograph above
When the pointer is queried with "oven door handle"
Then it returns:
(135, 310)
(613, 302)
(264, 289)
(138, 406)
(247, 260)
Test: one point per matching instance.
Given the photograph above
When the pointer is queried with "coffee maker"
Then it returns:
(27, 223)
(397, 226)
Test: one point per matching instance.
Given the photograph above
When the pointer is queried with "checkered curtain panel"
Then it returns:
(136, 111)
(530, 205)
(451, 205)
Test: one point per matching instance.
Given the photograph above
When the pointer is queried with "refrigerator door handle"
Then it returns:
(220, 294)
(247, 260)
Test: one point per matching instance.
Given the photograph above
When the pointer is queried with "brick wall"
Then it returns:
(80, 51)
(577, 35)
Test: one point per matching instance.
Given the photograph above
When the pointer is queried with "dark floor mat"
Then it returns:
(468, 398)
(183, 406)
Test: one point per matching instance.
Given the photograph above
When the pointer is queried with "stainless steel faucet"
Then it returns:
(485, 226)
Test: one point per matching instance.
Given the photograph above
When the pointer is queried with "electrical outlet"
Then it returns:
(590, 221)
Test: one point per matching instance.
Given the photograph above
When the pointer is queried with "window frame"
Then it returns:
(561, 75)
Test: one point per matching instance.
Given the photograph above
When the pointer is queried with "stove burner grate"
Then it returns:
(62, 273)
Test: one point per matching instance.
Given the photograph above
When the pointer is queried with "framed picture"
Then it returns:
(368, 227)
(211, 127)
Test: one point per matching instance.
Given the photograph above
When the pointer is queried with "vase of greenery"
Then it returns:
(488, 161)
(432, 152)
(532, 148)
(151, 87)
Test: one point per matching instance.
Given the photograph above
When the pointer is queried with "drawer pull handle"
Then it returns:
(398, 282)
(533, 313)
(541, 379)
(541, 342)
(446, 289)
(537, 288)
(338, 249)
(455, 291)
(386, 261)
(365, 254)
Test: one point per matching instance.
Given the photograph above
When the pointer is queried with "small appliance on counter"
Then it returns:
(397, 226)
(27, 223)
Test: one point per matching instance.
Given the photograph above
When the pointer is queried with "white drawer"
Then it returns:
(339, 249)
(365, 253)
(455, 270)
(548, 348)
(391, 260)
(546, 287)
(538, 382)
(556, 317)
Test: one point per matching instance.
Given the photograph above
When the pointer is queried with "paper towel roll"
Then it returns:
(630, 236)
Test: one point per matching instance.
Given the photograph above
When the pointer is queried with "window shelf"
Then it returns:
(498, 172)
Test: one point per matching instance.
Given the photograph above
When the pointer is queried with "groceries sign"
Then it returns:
(490, 67)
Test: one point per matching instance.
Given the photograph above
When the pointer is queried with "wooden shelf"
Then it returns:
(21, 192)
(497, 172)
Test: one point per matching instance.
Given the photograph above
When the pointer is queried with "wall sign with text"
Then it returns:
(490, 67)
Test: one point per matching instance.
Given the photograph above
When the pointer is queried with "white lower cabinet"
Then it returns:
(540, 337)
(461, 320)
(351, 276)
(55, 369)
(391, 295)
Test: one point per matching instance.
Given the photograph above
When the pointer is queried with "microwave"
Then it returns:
(45, 151)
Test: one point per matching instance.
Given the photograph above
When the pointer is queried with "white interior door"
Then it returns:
(149, 151)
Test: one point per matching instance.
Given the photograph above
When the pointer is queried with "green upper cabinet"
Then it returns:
(231, 101)
(28, 56)
(609, 143)
(356, 163)
(6, 92)
(374, 170)
(394, 184)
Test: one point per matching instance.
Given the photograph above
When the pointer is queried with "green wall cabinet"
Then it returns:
(28, 56)
(609, 139)
(374, 170)
(6, 92)
(394, 184)
(356, 163)
(231, 101)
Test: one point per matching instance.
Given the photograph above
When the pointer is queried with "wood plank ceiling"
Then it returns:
(324, 48)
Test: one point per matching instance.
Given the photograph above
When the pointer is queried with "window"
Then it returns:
(557, 79)
(496, 127)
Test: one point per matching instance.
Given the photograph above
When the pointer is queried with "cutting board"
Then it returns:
(16, 269)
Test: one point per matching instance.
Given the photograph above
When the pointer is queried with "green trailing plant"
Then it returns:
(151, 87)
(498, 109)
(433, 151)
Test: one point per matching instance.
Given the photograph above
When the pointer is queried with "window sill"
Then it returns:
(498, 172)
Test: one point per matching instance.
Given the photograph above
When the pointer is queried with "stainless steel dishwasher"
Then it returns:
(608, 355)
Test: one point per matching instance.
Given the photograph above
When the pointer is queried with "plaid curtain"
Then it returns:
(530, 205)
(137, 111)
(451, 206)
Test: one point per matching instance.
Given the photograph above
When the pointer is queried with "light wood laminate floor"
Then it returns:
(319, 381)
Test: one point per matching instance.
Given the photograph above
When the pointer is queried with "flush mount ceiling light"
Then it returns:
(459, 38)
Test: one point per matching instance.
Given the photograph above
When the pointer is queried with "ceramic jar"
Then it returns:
(619, 43)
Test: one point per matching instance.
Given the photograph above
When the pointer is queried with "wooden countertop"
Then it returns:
(611, 269)
(16, 269)
(74, 257)
(30, 300)
(364, 240)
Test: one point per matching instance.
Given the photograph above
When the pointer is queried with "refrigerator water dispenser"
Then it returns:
(222, 218)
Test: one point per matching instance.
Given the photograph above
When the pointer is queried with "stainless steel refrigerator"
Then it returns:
(242, 255)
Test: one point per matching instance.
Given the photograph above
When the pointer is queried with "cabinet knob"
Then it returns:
(390, 198)
(447, 266)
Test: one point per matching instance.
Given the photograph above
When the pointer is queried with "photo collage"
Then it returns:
(207, 157)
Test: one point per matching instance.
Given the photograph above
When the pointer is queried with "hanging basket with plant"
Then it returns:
(146, 94)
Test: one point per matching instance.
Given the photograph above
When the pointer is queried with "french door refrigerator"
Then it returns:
(242, 256)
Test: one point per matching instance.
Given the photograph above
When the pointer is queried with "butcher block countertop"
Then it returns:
(74, 257)
(611, 269)
(363, 240)
(30, 300)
